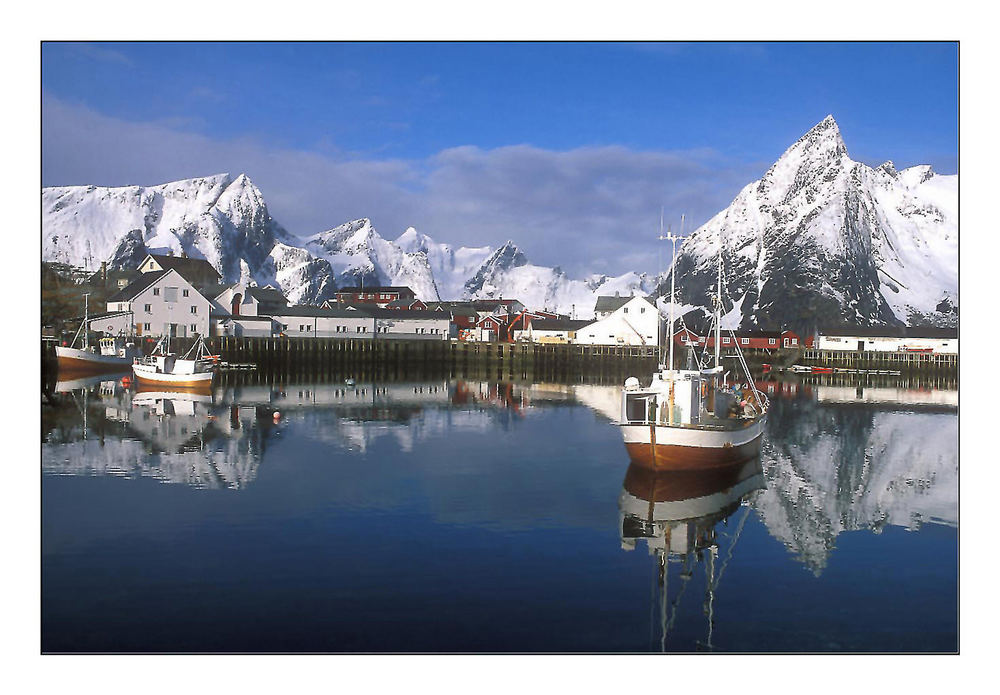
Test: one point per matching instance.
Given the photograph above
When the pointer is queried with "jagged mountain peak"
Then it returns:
(887, 167)
(822, 240)
(413, 241)
(823, 135)
(505, 258)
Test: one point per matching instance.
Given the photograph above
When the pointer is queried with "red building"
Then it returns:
(760, 340)
(408, 304)
(380, 296)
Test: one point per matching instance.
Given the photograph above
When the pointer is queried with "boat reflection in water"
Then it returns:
(676, 513)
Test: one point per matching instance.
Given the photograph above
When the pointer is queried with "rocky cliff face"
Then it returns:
(823, 240)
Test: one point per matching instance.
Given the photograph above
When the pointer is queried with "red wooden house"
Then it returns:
(760, 340)
(379, 295)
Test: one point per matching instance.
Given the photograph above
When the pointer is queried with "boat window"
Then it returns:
(635, 408)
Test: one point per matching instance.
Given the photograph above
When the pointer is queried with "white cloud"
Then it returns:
(590, 209)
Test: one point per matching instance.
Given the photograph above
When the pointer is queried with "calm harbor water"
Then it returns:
(445, 514)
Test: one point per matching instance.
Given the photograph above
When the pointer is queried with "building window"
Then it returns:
(185, 293)
(145, 326)
(156, 291)
(194, 310)
(771, 341)
(194, 327)
(149, 308)
(170, 294)
(725, 341)
(625, 310)
(795, 341)
(642, 310)
(745, 341)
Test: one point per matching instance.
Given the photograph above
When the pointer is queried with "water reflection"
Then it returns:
(678, 514)
(853, 454)
(218, 439)
(835, 465)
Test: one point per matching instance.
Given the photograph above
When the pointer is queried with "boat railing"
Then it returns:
(717, 425)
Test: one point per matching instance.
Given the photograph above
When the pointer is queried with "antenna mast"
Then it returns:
(672, 238)
(718, 305)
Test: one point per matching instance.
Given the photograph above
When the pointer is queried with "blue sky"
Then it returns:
(569, 149)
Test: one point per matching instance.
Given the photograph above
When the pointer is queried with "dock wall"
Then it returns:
(507, 358)
(869, 359)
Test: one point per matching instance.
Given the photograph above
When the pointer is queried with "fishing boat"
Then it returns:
(110, 354)
(194, 369)
(695, 418)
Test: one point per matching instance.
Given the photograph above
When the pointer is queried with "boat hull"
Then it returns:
(147, 374)
(665, 448)
(75, 360)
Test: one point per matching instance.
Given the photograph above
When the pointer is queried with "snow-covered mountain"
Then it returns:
(218, 218)
(824, 240)
(226, 222)
(819, 240)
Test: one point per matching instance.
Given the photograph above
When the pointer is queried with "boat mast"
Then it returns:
(672, 238)
(718, 305)
(86, 316)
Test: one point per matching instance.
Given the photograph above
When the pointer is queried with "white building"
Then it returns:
(242, 310)
(551, 331)
(157, 303)
(939, 341)
(241, 299)
(318, 322)
(413, 325)
(364, 322)
(623, 321)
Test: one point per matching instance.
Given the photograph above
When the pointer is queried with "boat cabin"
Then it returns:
(687, 397)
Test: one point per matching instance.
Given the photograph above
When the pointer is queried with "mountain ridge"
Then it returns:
(819, 239)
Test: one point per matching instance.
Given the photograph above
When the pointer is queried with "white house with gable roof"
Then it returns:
(157, 303)
(623, 321)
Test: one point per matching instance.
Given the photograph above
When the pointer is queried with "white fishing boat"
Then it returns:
(110, 354)
(693, 418)
(194, 369)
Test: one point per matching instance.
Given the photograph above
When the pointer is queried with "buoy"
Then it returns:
(126, 381)
(277, 415)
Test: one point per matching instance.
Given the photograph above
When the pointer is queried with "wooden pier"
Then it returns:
(508, 358)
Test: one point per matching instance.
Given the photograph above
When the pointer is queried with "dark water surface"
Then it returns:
(452, 515)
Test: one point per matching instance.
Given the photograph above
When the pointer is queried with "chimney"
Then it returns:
(104, 272)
